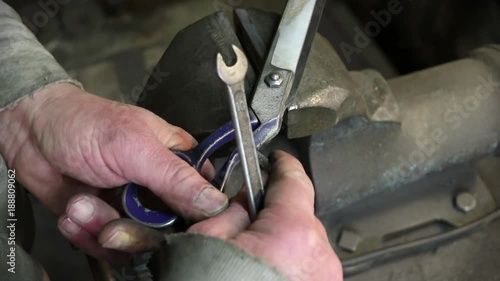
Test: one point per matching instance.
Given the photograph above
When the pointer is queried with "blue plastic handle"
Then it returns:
(196, 158)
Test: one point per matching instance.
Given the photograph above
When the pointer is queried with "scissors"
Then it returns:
(273, 94)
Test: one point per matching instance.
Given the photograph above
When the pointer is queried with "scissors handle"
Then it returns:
(196, 158)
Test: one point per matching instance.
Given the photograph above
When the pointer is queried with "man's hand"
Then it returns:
(286, 234)
(68, 145)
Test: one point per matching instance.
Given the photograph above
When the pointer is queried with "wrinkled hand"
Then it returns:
(67, 146)
(286, 234)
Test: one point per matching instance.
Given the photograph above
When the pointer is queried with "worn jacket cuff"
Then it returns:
(190, 257)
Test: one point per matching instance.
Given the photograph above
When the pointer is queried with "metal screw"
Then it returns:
(465, 202)
(274, 80)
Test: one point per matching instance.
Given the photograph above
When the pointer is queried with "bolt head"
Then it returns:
(274, 80)
(349, 241)
(465, 202)
(274, 76)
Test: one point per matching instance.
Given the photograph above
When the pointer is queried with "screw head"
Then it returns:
(465, 202)
(274, 80)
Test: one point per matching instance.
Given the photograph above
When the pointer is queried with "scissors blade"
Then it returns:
(285, 63)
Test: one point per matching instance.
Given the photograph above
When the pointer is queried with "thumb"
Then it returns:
(180, 186)
(289, 188)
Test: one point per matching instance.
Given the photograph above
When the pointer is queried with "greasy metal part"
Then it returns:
(328, 93)
(466, 202)
(362, 263)
(449, 116)
(325, 88)
(471, 255)
(377, 97)
(349, 241)
(424, 209)
(101, 270)
(274, 80)
(287, 57)
(234, 77)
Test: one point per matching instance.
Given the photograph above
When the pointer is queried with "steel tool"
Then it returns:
(274, 92)
(234, 77)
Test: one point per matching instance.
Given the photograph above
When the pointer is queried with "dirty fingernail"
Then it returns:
(272, 158)
(211, 202)
(119, 240)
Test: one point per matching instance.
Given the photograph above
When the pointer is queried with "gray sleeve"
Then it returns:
(193, 257)
(25, 65)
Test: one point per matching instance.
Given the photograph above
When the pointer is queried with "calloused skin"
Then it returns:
(69, 146)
